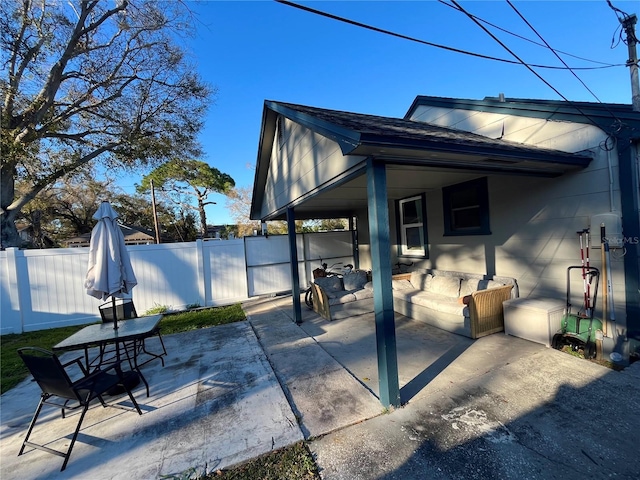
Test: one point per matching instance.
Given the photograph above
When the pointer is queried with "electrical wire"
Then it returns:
(625, 16)
(497, 27)
(529, 67)
(554, 51)
(431, 44)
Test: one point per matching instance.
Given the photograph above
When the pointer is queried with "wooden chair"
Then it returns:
(55, 383)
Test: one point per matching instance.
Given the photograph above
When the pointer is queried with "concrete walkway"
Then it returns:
(495, 408)
(498, 407)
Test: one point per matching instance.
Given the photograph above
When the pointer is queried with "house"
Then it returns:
(495, 186)
(29, 236)
(132, 236)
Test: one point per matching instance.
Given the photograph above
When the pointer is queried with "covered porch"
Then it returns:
(316, 163)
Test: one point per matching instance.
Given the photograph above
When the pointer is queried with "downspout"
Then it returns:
(610, 167)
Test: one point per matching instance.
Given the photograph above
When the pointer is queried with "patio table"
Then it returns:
(103, 334)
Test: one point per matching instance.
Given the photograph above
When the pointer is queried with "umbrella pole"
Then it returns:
(115, 315)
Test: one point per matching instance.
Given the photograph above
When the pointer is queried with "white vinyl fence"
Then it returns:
(42, 289)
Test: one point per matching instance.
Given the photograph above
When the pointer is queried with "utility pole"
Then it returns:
(155, 213)
(628, 23)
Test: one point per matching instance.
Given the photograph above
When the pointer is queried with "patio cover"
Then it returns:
(403, 146)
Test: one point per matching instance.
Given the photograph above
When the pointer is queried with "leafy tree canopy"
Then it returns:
(66, 210)
(91, 81)
(181, 180)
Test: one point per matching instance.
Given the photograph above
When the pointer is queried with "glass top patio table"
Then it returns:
(104, 333)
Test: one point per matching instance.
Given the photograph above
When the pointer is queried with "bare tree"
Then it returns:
(91, 81)
(239, 205)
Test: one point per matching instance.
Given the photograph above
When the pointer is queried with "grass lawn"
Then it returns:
(291, 463)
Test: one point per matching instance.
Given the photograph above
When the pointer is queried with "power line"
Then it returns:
(529, 67)
(424, 42)
(520, 61)
(613, 115)
(554, 51)
(497, 27)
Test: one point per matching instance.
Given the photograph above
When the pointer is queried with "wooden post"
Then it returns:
(155, 214)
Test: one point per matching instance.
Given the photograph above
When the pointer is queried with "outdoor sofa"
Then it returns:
(463, 303)
(331, 294)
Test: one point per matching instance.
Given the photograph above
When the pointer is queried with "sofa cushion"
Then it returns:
(337, 298)
(420, 280)
(446, 286)
(468, 286)
(486, 284)
(436, 301)
(329, 284)
(363, 293)
(402, 285)
(354, 280)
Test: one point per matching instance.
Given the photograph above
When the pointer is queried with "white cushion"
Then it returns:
(447, 286)
(420, 280)
(468, 286)
(401, 285)
(338, 298)
(487, 284)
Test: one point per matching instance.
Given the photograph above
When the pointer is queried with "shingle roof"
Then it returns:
(361, 130)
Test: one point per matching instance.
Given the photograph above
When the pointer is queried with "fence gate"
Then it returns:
(268, 270)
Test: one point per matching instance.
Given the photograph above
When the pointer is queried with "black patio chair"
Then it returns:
(125, 310)
(55, 383)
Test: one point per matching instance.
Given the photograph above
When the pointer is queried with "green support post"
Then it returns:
(295, 277)
(382, 294)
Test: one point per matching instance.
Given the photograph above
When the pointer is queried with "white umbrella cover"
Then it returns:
(109, 273)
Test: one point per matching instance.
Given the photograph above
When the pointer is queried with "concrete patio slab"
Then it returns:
(216, 403)
(324, 396)
(496, 407)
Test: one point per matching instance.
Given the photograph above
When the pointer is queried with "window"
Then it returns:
(466, 208)
(412, 231)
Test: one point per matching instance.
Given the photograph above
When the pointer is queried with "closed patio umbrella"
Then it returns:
(109, 273)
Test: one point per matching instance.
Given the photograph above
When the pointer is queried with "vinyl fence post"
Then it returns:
(15, 321)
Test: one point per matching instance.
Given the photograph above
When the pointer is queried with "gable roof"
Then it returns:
(613, 118)
(399, 143)
(362, 134)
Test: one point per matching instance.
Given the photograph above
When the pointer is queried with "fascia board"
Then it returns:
(265, 146)
(603, 115)
(347, 139)
(426, 146)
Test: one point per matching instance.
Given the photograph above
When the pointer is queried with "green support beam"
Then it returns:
(382, 294)
(295, 276)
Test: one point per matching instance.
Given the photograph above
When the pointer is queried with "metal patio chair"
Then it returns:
(55, 383)
(126, 310)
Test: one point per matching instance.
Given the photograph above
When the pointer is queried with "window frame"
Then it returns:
(482, 195)
(403, 251)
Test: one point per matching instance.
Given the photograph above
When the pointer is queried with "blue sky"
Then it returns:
(256, 51)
